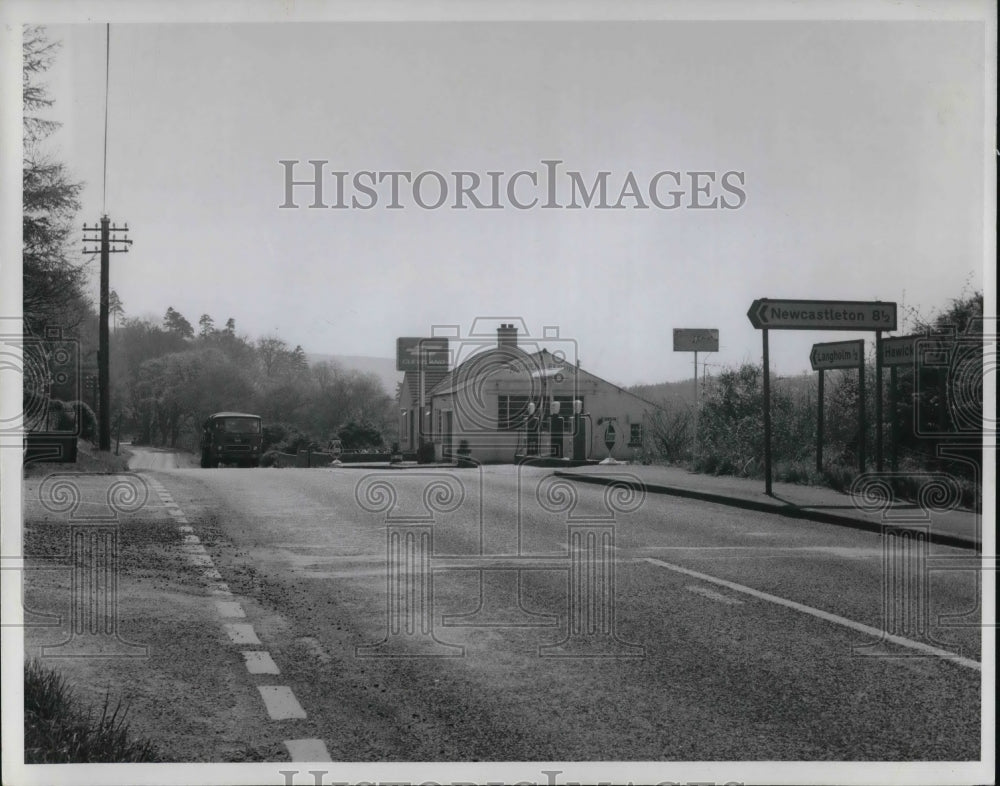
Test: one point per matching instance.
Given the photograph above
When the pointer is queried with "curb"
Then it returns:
(787, 510)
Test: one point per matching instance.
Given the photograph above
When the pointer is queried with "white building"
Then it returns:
(503, 403)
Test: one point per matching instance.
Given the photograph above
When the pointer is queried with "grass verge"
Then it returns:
(58, 731)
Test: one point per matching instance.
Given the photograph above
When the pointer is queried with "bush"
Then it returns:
(56, 731)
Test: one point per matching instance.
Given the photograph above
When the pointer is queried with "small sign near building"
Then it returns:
(410, 350)
(696, 340)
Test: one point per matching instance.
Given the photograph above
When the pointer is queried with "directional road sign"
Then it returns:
(899, 350)
(409, 351)
(696, 340)
(837, 354)
(822, 315)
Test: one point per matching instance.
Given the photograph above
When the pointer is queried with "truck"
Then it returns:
(231, 438)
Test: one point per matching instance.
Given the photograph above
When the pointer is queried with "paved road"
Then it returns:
(159, 458)
(744, 622)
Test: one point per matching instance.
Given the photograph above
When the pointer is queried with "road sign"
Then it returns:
(696, 340)
(765, 314)
(899, 350)
(837, 354)
(409, 351)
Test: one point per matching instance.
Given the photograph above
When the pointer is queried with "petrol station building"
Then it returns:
(506, 401)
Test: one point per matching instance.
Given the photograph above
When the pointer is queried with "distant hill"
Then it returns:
(670, 393)
(383, 368)
(682, 393)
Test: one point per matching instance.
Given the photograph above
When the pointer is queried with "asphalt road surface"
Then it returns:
(689, 631)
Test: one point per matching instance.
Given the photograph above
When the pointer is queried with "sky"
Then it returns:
(861, 148)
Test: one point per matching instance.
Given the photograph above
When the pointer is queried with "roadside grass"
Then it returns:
(58, 731)
(88, 460)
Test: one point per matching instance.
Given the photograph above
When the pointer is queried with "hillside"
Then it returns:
(383, 368)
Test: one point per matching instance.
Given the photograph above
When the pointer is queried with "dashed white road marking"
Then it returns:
(823, 615)
(307, 750)
(241, 633)
(260, 662)
(280, 702)
(229, 608)
(713, 595)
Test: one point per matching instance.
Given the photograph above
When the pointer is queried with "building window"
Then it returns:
(512, 412)
(635, 435)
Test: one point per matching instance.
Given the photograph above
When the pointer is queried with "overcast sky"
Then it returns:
(861, 146)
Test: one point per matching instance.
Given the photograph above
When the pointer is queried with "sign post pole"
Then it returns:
(893, 420)
(819, 425)
(696, 404)
(878, 400)
(861, 414)
(767, 417)
(696, 340)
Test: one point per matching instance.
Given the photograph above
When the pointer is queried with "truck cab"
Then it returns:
(231, 438)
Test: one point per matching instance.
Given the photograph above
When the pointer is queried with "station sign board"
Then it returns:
(837, 354)
(766, 314)
(696, 340)
(899, 351)
(412, 352)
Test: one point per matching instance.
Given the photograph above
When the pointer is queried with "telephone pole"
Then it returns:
(107, 239)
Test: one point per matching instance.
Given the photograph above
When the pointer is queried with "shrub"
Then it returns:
(57, 731)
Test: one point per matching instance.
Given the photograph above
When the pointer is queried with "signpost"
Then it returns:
(896, 351)
(834, 355)
(696, 340)
(766, 314)
(416, 354)
(875, 315)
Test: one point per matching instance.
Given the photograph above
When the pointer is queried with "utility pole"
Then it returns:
(107, 238)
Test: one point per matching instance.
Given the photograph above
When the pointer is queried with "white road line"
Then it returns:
(823, 615)
(241, 633)
(260, 662)
(713, 595)
(281, 702)
(307, 750)
(229, 608)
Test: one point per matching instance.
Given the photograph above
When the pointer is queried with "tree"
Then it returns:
(175, 322)
(115, 307)
(206, 325)
(53, 291)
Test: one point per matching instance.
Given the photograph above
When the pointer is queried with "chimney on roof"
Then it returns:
(507, 336)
